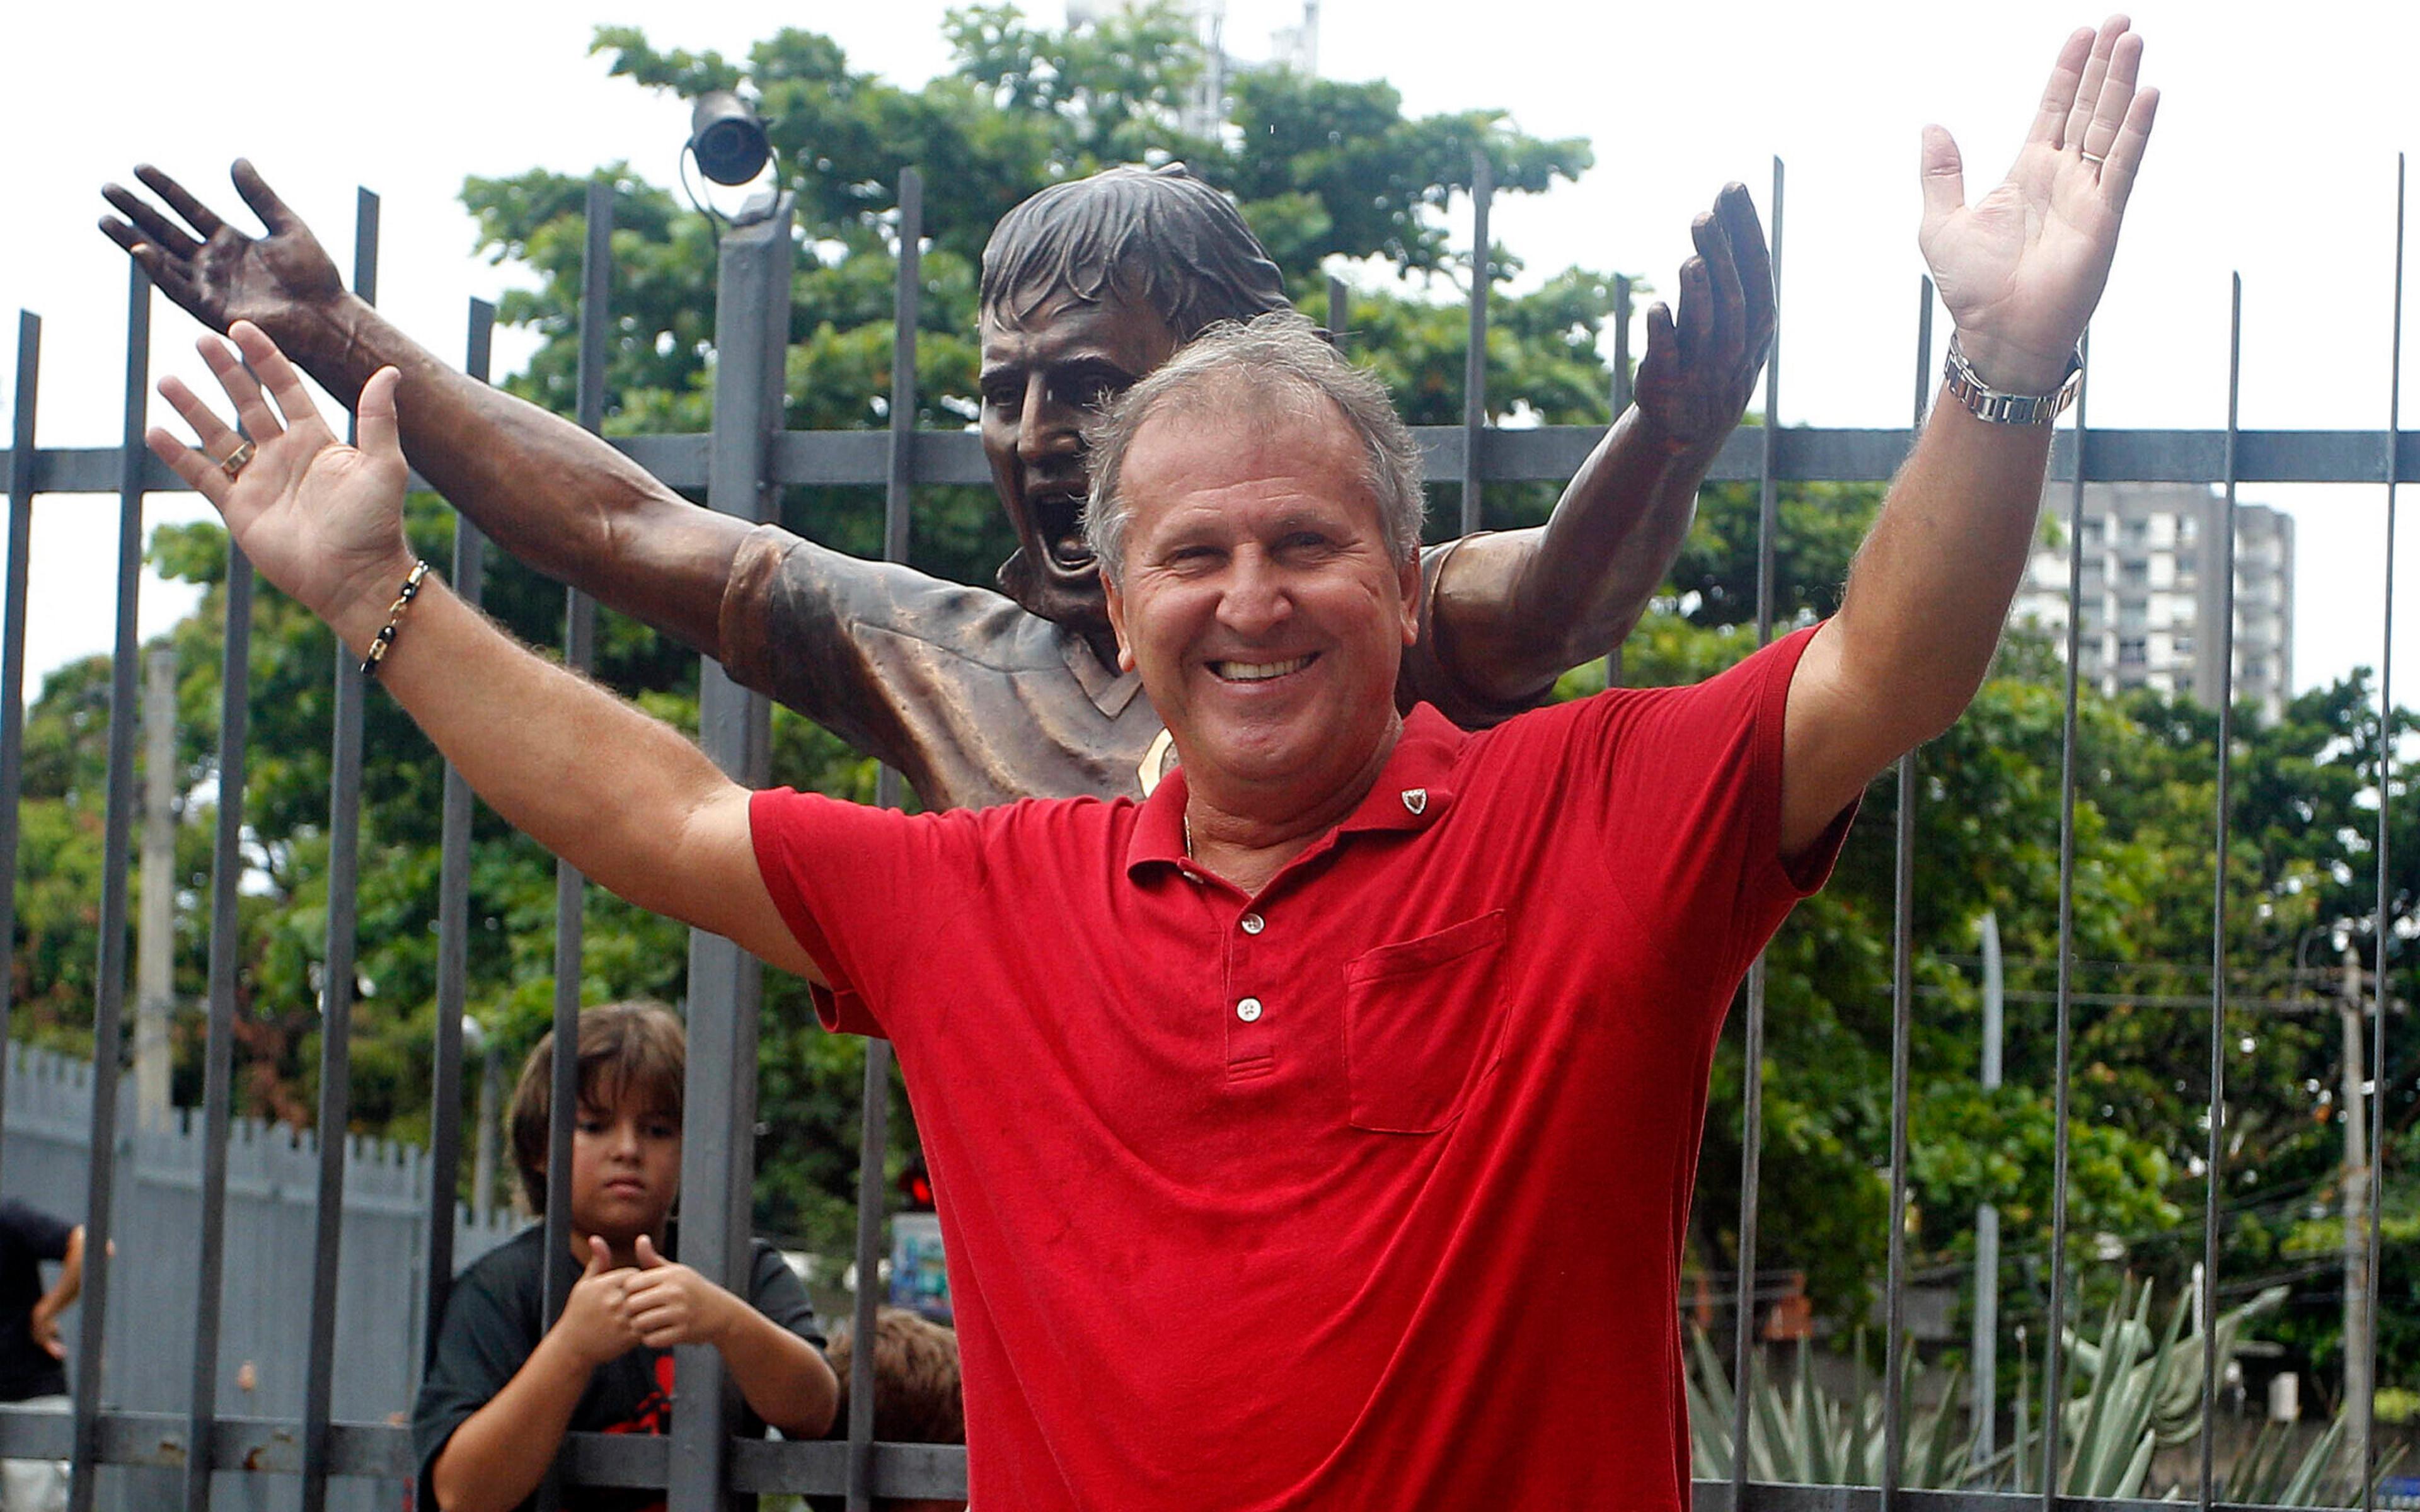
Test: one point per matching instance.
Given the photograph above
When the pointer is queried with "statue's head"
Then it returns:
(1087, 286)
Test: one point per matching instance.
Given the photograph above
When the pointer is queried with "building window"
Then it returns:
(2133, 651)
(2183, 644)
(2134, 572)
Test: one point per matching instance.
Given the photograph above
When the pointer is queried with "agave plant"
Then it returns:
(1806, 1437)
(2267, 1475)
(2140, 1391)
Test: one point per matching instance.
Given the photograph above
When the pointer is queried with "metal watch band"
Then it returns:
(1989, 404)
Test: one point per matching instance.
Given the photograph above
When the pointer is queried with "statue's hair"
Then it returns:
(1158, 236)
(1277, 367)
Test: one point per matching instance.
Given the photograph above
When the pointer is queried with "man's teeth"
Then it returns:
(1257, 672)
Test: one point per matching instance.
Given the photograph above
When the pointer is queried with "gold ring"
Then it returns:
(236, 460)
(2090, 158)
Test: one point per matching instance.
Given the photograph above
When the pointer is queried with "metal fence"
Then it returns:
(740, 466)
(271, 1191)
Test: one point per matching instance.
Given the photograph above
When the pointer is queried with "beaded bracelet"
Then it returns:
(385, 637)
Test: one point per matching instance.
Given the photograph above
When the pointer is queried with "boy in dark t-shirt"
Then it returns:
(505, 1388)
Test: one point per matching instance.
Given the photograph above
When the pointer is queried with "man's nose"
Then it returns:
(1047, 425)
(1254, 598)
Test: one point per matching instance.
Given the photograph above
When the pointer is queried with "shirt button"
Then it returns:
(1253, 923)
(1248, 1009)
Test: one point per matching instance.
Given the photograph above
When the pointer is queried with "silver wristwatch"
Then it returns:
(1987, 403)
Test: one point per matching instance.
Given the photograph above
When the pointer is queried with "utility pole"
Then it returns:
(483, 1158)
(2356, 1209)
(154, 934)
(1986, 1354)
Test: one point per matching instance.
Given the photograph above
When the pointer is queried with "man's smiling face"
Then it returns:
(1048, 363)
(1261, 601)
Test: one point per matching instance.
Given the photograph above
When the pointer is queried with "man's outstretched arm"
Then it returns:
(547, 491)
(1514, 610)
(2021, 271)
(624, 797)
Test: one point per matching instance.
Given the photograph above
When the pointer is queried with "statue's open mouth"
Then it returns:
(1059, 520)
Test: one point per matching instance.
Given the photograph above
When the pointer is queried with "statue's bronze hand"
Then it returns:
(284, 282)
(1700, 371)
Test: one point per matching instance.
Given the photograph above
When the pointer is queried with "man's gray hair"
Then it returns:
(1277, 365)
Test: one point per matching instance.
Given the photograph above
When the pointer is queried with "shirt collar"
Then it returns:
(1412, 792)
(1110, 691)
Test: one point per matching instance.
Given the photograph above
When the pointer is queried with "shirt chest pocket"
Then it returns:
(1421, 1022)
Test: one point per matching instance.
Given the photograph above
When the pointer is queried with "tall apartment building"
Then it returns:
(2149, 598)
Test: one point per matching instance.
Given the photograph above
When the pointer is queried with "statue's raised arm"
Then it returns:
(552, 495)
(979, 697)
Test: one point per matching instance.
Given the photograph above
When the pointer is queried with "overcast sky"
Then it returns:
(2275, 156)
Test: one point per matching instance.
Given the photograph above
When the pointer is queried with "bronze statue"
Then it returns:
(979, 697)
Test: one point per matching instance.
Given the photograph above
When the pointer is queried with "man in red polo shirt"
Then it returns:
(1318, 1131)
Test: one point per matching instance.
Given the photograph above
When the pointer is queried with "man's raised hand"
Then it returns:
(1699, 370)
(2022, 268)
(321, 519)
(216, 272)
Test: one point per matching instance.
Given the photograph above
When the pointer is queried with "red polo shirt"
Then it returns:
(1365, 1191)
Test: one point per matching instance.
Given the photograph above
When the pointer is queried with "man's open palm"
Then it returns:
(2022, 268)
(321, 519)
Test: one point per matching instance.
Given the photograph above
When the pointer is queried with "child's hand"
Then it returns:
(665, 1304)
(592, 1323)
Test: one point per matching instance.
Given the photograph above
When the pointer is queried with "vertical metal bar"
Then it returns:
(1752, 1049)
(1622, 392)
(1620, 406)
(1474, 358)
(218, 1058)
(2053, 1337)
(1768, 501)
(718, 1156)
(908, 308)
(571, 889)
(2383, 930)
(1340, 310)
(337, 993)
(874, 1139)
(1902, 1014)
(12, 637)
(453, 929)
(116, 829)
(2217, 1155)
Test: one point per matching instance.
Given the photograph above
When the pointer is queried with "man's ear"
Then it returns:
(1118, 619)
(1411, 588)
